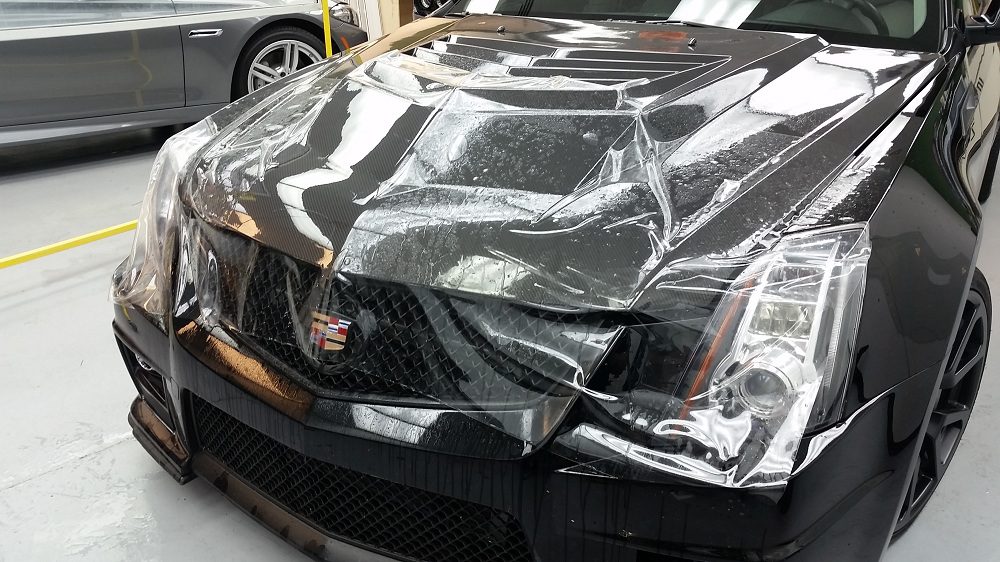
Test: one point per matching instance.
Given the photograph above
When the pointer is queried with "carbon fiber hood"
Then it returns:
(569, 165)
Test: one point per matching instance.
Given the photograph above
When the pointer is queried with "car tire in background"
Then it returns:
(953, 405)
(274, 54)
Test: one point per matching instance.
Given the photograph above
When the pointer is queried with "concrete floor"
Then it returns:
(78, 487)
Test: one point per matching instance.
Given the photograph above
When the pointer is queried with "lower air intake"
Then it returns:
(390, 517)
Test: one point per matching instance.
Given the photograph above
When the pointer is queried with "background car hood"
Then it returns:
(566, 164)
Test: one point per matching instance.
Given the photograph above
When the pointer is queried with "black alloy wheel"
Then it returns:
(950, 417)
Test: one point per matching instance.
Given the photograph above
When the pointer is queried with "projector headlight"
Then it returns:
(143, 279)
(779, 343)
(770, 365)
(774, 360)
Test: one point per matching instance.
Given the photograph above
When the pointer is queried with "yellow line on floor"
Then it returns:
(66, 244)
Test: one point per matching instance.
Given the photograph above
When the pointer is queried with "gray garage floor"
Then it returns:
(75, 485)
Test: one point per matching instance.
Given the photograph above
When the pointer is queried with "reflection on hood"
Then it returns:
(564, 164)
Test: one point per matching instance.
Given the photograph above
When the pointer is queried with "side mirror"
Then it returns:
(984, 28)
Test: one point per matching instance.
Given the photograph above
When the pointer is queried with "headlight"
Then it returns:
(343, 12)
(770, 365)
(143, 279)
(780, 340)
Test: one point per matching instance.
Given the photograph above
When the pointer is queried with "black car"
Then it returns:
(580, 282)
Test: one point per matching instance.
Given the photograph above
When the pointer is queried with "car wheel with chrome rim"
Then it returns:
(274, 55)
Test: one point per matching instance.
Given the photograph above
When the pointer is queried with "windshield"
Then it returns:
(896, 24)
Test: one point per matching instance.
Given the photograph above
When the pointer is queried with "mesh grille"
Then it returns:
(390, 517)
(401, 340)
(402, 354)
(404, 343)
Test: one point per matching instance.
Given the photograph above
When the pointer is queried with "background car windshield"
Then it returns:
(899, 24)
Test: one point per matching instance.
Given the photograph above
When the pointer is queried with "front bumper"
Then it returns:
(300, 477)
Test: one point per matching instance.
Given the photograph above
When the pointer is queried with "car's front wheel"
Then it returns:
(274, 55)
(953, 407)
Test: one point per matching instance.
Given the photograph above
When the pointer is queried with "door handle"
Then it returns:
(199, 33)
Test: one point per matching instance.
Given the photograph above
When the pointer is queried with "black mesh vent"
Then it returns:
(401, 355)
(404, 343)
(387, 516)
(401, 342)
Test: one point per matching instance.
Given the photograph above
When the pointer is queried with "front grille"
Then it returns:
(401, 357)
(405, 343)
(278, 288)
(391, 517)
(403, 353)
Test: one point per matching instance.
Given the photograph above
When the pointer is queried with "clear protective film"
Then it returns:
(143, 279)
(564, 245)
(770, 364)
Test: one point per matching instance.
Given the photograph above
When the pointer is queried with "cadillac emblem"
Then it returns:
(328, 333)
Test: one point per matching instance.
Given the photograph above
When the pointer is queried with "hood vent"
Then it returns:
(608, 67)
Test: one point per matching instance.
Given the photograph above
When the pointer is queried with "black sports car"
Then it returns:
(580, 281)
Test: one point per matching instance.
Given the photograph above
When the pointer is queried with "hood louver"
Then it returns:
(608, 67)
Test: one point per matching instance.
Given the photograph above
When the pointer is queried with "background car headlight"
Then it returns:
(343, 12)
(143, 279)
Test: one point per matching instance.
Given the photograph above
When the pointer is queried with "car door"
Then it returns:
(212, 43)
(71, 59)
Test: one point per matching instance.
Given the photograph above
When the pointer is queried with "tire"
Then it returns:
(953, 404)
(263, 59)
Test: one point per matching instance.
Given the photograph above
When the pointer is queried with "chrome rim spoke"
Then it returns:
(278, 60)
(288, 54)
(264, 72)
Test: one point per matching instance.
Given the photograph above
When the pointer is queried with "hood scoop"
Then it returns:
(607, 67)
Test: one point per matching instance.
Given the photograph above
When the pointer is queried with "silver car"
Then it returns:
(79, 67)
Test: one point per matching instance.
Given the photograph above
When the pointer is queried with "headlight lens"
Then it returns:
(343, 12)
(788, 325)
(770, 364)
(143, 279)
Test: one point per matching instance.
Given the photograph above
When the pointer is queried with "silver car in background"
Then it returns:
(79, 67)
